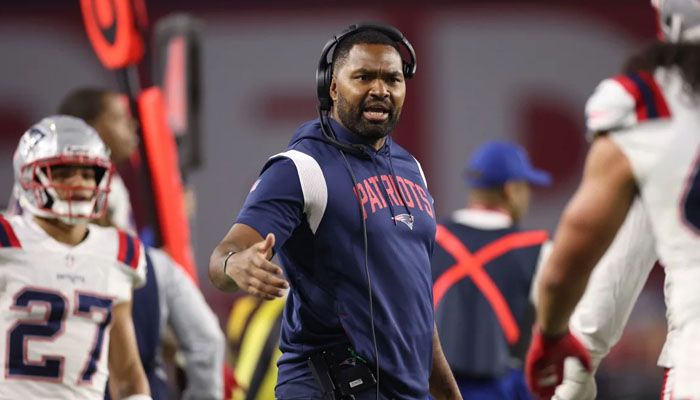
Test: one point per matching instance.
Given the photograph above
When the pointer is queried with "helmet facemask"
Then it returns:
(43, 196)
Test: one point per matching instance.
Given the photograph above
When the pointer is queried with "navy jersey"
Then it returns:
(305, 196)
(482, 282)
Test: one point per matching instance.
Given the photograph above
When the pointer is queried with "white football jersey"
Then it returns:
(56, 308)
(656, 123)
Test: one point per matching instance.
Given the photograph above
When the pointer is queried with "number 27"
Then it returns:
(50, 368)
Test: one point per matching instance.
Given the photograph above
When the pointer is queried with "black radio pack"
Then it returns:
(340, 373)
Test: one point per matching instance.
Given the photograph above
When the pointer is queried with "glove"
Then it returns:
(544, 364)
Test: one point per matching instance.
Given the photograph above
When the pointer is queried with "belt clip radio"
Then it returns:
(340, 373)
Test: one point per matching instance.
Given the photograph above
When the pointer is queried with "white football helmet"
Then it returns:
(679, 20)
(61, 141)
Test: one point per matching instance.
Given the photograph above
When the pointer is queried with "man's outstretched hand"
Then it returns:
(254, 273)
(544, 364)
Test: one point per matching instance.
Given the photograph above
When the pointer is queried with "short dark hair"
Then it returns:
(84, 103)
(685, 56)
(365, 36)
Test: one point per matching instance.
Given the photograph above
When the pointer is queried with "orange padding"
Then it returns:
(472, 265)
(111, 28)
(165, 179)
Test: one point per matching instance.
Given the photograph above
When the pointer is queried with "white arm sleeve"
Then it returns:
(602, 313)
(196, 328)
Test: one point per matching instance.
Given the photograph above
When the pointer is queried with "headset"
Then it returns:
(324, 76)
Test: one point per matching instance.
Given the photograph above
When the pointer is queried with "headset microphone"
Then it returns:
(330, 137)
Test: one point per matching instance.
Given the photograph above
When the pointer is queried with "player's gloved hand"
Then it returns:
(253, 272)
(544, 364)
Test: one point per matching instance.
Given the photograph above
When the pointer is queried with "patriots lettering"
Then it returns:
(391, 190)
(404, 191)
(373, 198)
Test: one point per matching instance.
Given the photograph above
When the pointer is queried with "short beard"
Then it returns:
(352, 119)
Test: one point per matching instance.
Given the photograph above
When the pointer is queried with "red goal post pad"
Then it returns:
(162, 159)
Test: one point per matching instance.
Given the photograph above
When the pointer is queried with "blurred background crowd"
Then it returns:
(505, 69)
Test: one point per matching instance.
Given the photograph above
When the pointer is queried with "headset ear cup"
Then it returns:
(323, 87)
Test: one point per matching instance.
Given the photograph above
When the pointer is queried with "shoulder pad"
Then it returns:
(624, 101)
(131, 254)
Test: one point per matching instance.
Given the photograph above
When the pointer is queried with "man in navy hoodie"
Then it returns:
(356, 257)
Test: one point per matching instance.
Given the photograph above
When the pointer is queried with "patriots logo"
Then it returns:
(35, 135)
(348, 362)
(406, 219)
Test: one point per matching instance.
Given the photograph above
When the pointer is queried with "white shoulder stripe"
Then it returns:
(313, 186)
(425, 182)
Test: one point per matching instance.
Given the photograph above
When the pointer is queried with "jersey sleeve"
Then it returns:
(275, 203)
(623, 101)
(132, 258)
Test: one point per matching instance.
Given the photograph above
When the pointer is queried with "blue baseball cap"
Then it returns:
(496, 162)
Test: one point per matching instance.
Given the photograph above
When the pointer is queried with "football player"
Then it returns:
(65, 284)
(644, 125)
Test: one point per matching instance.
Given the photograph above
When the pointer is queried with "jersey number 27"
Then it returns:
(50, 367)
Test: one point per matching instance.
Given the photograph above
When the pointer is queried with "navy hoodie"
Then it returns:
(305, 197)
